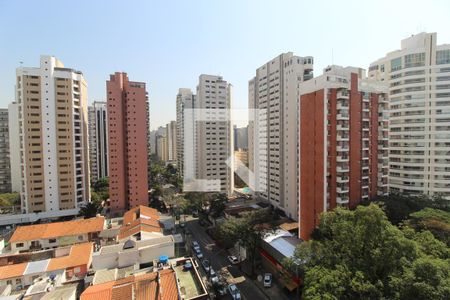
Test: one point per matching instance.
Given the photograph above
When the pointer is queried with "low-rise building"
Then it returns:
(141, 223)
(70, 263)
(53, 235)
(171, 280)
(132, 252)
(275, 248)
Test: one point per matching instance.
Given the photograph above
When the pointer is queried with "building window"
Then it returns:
(414, 60)
(443, 57)
(52, 241)
(80, 237)
(396, 64)
(19, 245)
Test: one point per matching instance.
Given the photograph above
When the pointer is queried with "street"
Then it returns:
(218, 259)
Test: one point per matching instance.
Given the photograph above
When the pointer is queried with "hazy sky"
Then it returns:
(168, 44)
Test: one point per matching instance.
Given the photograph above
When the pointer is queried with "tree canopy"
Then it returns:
(360, 255)
(398, 207)
(9, 199)
(247, 230)
(435, 220)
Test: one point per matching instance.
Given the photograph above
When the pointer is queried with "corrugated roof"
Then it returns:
(57, 229)
(121, 292)
(146, 286)
(168, 286)
(34, 267)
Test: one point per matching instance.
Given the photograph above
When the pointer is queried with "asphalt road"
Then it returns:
(218, 259)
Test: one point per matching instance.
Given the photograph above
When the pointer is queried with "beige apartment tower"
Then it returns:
(273, 129)
(52, 122)
(418, 76)
(214, 142)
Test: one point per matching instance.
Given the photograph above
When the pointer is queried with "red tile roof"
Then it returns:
(80, 254)
(98, 292)
(57, 229)
(11, 271)
(140, 218)
(143, 286)
(140, 212)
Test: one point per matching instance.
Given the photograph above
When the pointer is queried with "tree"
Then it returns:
(101, 185)
(435, 220)
(398, 207)
(89, 210)
(9, 199)
(360, 255)
(248, 231)
(217, 207)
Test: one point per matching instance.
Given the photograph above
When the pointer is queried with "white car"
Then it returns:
(198, 253)
(214, 278)
(195, 246)
(267, 280)
(233, 259)
(234, 292)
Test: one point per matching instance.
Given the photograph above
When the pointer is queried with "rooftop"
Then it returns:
(140, 219)
(282, 241)
(77, 255)
(57, 229)
(155, 285)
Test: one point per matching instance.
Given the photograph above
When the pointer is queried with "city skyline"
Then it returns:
(163, 30)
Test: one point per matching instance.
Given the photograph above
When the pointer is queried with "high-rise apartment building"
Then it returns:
(5, 168)
(153, 142)
(98, 140)
(214, 139)
(343, 135)
(419, 98)
(185, 104)
(240, 138)
(52, 117)
(273, 129)
(161, 147)
(171, 129)
(128, 134)
(14, 146)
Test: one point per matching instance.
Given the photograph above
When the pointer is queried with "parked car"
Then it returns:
(198, 253)
(234, 292)
(213, 276)
(206, 266)
(233, 259)
(268, 280)
(195, 245)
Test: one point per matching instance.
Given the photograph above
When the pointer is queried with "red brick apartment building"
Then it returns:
(128, 127)
(343, 132)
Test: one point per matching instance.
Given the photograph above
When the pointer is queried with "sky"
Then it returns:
(168, 44)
